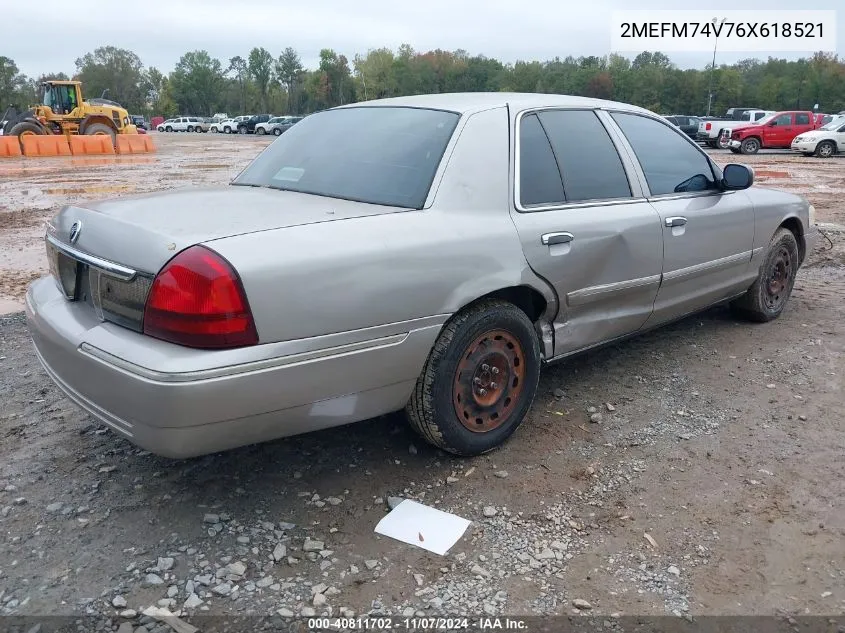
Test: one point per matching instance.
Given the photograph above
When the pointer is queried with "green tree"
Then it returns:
(261, 69)
(289, 72)
(114, 69)
(14, 87)
(196, 83)
(238, 66)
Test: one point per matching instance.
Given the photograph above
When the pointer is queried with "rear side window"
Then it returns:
(802, 119)
(587, 159)
(671, 163)
(539, 178)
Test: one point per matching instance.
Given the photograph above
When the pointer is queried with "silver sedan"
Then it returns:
(424, 253)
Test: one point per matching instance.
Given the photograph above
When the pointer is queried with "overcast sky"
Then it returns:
(51, 34)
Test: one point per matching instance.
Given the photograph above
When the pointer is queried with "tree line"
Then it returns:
(261, 82)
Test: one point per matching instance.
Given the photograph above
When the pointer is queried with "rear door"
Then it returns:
(585, 225)
(707, 233)
(804, 122)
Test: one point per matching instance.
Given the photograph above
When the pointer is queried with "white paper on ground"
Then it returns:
(428, 528)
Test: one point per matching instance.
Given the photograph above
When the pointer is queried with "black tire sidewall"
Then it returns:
(455, 434)
(784, 239)
(748, 143)
(825, 144)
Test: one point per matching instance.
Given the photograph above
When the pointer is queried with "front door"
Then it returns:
(585, 226)
(779, 132)
(707, 233)
(840, 138)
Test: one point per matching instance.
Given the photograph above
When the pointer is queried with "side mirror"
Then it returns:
(736, 176)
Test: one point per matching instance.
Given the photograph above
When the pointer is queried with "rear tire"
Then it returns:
(767, 297)
(25, 128)
(190, 128)
(825, 149)
(100, 129)
(479, 380)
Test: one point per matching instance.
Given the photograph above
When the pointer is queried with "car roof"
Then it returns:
(465, 102)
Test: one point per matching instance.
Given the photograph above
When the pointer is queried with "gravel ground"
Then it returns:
(695, 470)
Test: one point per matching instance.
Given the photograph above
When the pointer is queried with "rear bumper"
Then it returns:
(186, 413)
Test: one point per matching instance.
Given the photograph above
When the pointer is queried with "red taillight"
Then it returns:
(197, 300)
(708, 126)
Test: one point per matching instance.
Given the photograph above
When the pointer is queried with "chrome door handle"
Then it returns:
(675, 221)
(557, 238)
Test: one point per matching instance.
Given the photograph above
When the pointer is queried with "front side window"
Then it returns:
(378, 155)
(670, 162)
(586, 157)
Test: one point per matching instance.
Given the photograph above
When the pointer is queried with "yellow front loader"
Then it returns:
(63, 111)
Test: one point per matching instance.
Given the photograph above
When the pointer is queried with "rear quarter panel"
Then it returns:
(331, 277)
(772, 209)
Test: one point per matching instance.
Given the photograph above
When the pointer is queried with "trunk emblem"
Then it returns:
(75, 230)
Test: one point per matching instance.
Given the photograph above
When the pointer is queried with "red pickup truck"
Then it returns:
(775, 131)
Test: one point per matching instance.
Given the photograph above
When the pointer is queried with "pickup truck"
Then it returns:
(775, 131)
(715, 132)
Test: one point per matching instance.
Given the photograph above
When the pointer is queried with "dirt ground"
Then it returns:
(713, 484)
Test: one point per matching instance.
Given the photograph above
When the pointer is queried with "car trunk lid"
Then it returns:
(106, 254)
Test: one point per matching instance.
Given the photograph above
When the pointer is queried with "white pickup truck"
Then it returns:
(716, 132)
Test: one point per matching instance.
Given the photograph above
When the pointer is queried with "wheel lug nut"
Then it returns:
(482, 392)
(493, 385)
(495, 370)
(485, 367)
(476, 380)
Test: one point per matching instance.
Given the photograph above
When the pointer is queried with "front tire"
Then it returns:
(724, 141)
(479, 380)
(825, 149)
(101, 129)
(750, 146)
(168, 129)
(277, 132)
(766, 298)
(260, 131)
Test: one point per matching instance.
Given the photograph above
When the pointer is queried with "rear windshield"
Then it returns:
(379, 155)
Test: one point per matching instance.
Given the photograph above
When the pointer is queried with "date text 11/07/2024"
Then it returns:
(419, 624)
